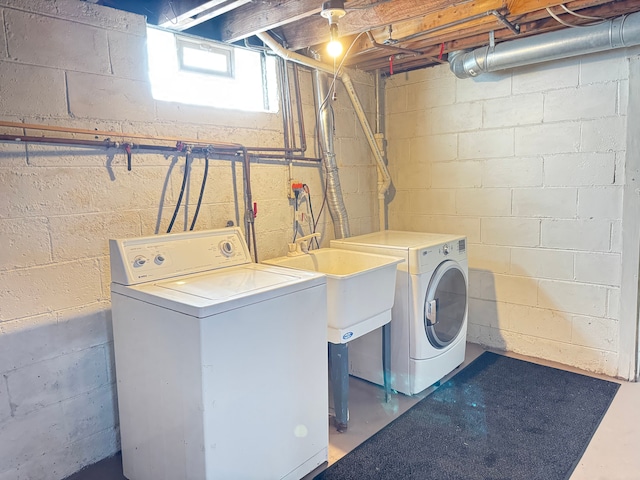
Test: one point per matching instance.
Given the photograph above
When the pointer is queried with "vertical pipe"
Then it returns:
(382, 204)
(249, 218)
(335, 201)
(384, 185)
(383, 174)
(339, 376)
(282, 65)
(303, 135)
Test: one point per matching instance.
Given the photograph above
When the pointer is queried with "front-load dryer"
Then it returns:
(429, 315)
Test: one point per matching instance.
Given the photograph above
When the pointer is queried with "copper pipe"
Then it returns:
(32, 126)
(66, 141)
(223, 150)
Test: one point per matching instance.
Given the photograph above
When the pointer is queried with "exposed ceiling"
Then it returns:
(395, 34)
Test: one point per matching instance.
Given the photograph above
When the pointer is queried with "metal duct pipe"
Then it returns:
(619, 32)
(335, 202)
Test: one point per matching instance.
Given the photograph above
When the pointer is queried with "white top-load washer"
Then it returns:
(221, 363)
(429, 315)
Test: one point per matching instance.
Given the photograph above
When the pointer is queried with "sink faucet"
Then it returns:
(301, 246)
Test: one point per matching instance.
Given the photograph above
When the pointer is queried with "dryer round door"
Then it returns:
(445, 305)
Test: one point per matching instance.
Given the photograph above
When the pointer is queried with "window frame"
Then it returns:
(183, 42)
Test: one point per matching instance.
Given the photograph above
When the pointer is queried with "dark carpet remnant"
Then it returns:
(498, 419)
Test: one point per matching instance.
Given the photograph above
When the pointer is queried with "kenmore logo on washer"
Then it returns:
(347, 335)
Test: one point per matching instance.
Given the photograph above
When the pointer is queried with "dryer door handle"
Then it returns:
(431, 312)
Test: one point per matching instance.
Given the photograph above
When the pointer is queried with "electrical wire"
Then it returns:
(566, 24)
(571, 12)
(202, 187)
(182, 188)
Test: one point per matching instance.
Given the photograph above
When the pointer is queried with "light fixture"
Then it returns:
(333, 10)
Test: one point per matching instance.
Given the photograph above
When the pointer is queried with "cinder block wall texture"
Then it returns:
(530, 165)
(71, 63)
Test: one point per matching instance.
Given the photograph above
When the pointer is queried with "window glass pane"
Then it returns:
(204, 60)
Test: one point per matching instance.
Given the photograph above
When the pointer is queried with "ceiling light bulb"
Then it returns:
(333, 10)
(334, 48)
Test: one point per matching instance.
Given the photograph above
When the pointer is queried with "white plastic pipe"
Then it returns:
(383, 186)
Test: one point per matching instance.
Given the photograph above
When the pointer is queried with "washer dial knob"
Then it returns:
(159, 259)
(445, 249)
(227, 249)
(139, 261)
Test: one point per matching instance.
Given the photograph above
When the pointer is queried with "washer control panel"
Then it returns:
(145, 259)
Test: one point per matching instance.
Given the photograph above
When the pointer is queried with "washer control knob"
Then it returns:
(445, 249)
(139, 261)
(159, 259)
(226, 248)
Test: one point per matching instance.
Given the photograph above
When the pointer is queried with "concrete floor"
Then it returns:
(611, 455)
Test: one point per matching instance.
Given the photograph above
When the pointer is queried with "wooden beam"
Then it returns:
(220, 8)
(176, 11)
(454, 13)
(519, 7)
(406, 19)
(315, 30)
(259, 17)
(533, 23)
(447, 16)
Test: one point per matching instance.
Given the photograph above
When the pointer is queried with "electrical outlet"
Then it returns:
(294, 185)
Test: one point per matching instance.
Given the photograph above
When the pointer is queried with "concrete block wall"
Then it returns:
(75, 64)
(530, 165)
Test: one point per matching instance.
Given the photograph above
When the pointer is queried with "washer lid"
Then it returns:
(206, 294)
(396, 238)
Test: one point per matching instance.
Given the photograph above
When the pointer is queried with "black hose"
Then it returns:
(184, 183)
(313, 218)
(204, 184)
(255, 245)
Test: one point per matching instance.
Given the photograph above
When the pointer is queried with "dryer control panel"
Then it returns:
(145, 259)
(430, 257)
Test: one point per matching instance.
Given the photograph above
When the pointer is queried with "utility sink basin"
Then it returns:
(360, 288)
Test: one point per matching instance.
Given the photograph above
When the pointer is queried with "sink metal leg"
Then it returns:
(339, 374)
(386, 360)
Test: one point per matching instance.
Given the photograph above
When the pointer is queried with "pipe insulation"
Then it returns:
(616, 33)
(335, 202)
(385, 178)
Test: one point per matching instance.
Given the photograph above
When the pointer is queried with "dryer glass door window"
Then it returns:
(445, 304)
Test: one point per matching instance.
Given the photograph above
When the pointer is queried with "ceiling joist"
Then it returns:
(413, 32)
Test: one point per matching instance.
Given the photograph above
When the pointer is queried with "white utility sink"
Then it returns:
(360, 288)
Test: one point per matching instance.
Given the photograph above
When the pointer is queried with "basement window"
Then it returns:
(197, 71)
(204, 57)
